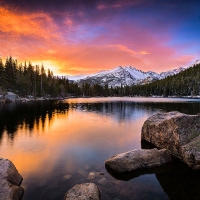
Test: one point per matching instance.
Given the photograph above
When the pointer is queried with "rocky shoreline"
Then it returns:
(175, 136)
(12, 97)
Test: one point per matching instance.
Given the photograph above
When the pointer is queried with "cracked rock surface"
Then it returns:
(177, 132)
(10, 181)
(138, 159)
(84, 191)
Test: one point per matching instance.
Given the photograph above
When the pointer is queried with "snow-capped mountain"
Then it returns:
(124, 76)
(76, 78)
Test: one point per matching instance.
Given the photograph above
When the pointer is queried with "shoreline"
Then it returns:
(16, 98)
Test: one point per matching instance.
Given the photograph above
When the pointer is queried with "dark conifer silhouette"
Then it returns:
(28, 80)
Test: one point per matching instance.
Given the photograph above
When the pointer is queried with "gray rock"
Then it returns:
(138, 159)
(10, 181)
(177, 132)
(95, 175)
(91, 176)
(85, 191)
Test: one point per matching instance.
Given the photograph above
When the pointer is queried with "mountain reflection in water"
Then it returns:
(47, 140)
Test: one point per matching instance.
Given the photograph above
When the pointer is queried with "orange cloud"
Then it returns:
(78, 59)
(75, 46)
(144, 52)
(27, 24)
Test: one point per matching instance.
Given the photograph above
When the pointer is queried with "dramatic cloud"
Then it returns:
(89, 36)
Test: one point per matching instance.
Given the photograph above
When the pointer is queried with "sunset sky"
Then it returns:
(86, 36)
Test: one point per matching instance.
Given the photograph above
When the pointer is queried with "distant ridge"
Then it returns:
(125, 76)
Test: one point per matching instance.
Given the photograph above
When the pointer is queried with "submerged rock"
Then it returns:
(91, 176)
(95, 175)
(137, 160)
(10, 181)
(177, 132)
(83, 173)
(85, 191)
(67, 177)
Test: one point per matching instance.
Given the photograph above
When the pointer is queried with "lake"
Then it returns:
(56, 144)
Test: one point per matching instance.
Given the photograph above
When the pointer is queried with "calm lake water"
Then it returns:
(56, 144)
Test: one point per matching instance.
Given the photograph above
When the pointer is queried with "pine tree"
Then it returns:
(2, 76)
(11, 73)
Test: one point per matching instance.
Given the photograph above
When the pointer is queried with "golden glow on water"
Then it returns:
(31, 149)
(48, 143)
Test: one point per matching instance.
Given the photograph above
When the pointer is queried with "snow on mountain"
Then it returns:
(76, 78)
(197, 62)
(176, 71)
(117, 77)
(122, 76)
(171, 72)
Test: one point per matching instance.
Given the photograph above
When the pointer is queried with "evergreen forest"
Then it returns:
(28, 80)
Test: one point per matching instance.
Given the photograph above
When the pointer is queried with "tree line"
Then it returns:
(26, 79)
(185, 83)
(29, 80)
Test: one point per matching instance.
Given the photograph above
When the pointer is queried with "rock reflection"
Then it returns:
(140, 172)
(81, 134)
(180, 183)
(29, 114)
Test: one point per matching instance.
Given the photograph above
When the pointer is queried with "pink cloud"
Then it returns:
(38, 38)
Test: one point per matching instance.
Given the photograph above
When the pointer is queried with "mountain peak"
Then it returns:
(116, 68)
(119, 67)
(125, 76)
(197, 62)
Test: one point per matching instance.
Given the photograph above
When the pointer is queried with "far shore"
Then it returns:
(16, 98)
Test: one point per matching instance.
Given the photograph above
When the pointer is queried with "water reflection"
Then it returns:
(180, 183)
(32, 113)
(50, 139)
(27, 115)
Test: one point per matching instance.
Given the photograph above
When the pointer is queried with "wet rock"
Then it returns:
(177, 132)
(95, 175)
(137, 160)
(91, 176)
(85, 191)
(10, 181)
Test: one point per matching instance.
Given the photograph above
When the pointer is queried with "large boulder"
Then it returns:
(85, 191)
(177, 132)
(10, 181)
(137, 162)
